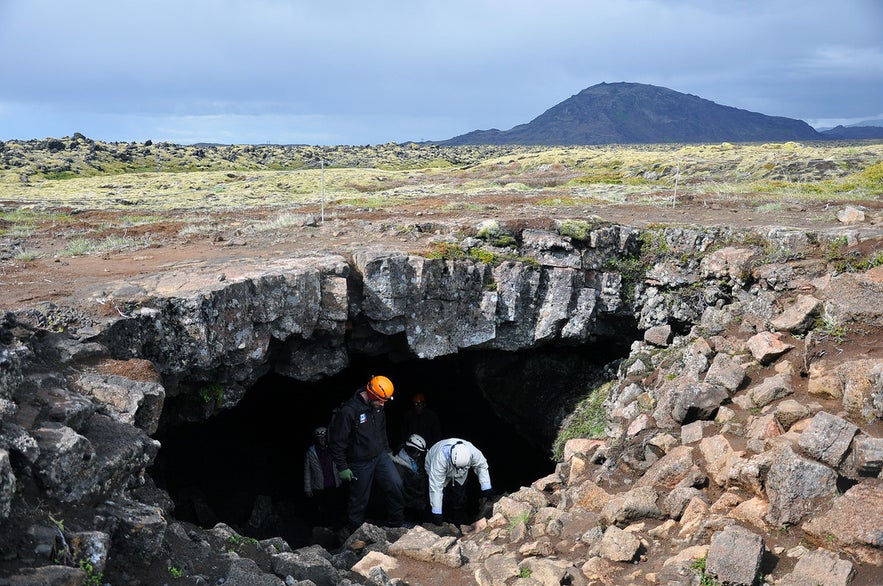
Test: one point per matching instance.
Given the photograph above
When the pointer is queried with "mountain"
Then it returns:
(873, 122)
(635, 113)
(853, 132)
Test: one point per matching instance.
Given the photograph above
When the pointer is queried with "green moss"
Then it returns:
(212, 393)
(609, 178)
(60, 175)
(495, 235)
(873, 174)
(588, 420)
(558, 201)
(580, 230)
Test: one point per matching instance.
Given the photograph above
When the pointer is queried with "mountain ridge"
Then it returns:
(635, 113)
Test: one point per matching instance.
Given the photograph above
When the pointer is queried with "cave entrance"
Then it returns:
(244, 466)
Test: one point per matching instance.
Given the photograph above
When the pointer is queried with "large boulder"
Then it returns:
(795, 486)
(820, 567)
(138, 403)
(853, 523)
(734, 556)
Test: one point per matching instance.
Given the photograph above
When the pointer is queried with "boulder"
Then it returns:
(725, 372)
(798, 317)
(820, 567)
(658, 335)
(424, 545)
(866, 457)
(795, 486)
(850, 215)
(136, 529)
(854, 297)
(305, 564)
(694, 432)
(550, 249)
(66, 464)
(697, 401)
(49, 576)
(638, 503)
(135, 402)
(770, 389)
(859, 382)
(823, 380)
(853, 524)
(499, 568)
(246, 571)
(767, 346)
(752, 511)
(375, 559)
(827, 438)
(678, 498)
(734, 556)
(719, 458)
(789, 412)
(543, 571)
(618, 546)
(91, 547)
(669, 470)
(729, 263)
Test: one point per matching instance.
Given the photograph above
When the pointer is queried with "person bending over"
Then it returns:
(447, 465)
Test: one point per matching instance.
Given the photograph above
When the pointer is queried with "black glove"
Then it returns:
(487, 493)
(437, 519)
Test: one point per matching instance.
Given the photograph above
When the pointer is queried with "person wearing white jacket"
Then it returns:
(447, 467)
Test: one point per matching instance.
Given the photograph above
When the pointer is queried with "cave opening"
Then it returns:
(244, 466)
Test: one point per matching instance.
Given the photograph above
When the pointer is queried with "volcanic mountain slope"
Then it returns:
(634, 113)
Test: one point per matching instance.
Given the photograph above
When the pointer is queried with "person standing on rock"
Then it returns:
(360, 449)
(447, 466)
(320, 480)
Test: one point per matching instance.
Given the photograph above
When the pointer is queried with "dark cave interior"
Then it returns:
(218, 469)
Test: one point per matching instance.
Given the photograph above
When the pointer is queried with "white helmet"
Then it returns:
(417, 442)
(460, 455)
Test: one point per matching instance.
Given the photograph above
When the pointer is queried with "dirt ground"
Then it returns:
(51, 276)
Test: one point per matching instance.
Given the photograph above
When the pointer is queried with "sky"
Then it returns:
(342, 72)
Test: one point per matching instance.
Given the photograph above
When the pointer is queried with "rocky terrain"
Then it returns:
(741, 440)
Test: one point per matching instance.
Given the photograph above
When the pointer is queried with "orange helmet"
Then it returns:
(380, 388)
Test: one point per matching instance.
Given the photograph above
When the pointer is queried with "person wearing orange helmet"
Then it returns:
(421, 420)
(360, 450)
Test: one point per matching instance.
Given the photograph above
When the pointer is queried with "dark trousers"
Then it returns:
(380, 471)
(326, 508)
(454, 503)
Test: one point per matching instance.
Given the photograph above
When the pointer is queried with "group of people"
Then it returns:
(425, 480)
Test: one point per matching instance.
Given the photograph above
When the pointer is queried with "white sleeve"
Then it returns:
(436, 471)
(479, 465)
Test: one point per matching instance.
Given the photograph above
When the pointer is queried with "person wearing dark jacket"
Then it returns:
(320, 479)
(409, 462)
(360, 450)
(421, 420)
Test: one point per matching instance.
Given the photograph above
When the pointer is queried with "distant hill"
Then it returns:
(853, 132)
(872, 122)
(635, 113)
